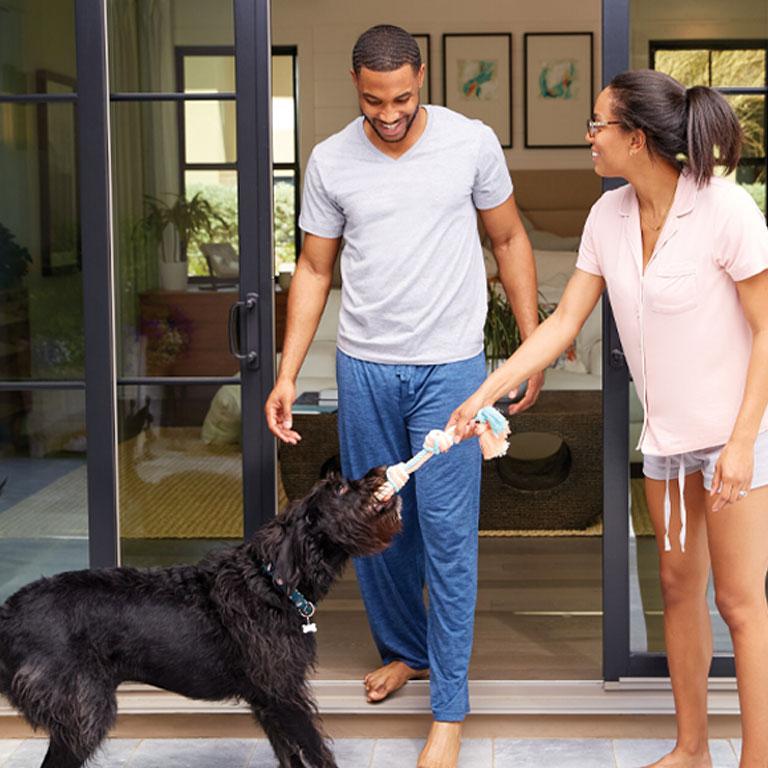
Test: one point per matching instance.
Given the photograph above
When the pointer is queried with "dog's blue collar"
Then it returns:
(303, 606)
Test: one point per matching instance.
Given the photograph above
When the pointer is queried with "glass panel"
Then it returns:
(209, 74)
(35, 39)
(210, 132)
(738, 68)
(180, 472)
(646, 608)
(219, 188)
(43, 507)
(167, 326)
(751, 113)
(752, 178)
(689, 67)
(143, 38)
(283, 110)
(39, 244)
(285, 221)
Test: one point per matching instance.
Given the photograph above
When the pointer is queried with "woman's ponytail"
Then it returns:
(695, 127)
(714, 134)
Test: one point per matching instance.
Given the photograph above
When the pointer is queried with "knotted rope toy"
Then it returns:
(493, 430)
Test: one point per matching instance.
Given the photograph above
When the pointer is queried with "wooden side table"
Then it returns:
(201, 317)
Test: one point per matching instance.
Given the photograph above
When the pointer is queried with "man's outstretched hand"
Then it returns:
(278, 411)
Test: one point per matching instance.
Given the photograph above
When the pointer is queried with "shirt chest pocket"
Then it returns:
(673, 288)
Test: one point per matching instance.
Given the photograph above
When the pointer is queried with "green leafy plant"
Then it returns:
(192, 220)
(501, 333)
(14, 260)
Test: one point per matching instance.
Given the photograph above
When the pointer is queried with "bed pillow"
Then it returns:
(549, 241)
(222, 422)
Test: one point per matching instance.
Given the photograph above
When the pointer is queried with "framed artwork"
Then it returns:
(477, 79)
(59, 192)
(425, 95)
(559, 88)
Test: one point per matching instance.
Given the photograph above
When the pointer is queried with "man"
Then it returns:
(402, 185)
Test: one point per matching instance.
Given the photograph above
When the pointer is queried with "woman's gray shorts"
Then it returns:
(682, 464)
(655, 467)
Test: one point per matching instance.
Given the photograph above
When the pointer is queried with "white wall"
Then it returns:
(326, 30)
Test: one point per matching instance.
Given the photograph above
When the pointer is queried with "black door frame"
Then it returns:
(92, 102)
(253, 97)
(619, 660)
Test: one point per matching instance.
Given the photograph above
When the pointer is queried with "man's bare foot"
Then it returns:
(679, 759)
(391, 677)
(442, 747)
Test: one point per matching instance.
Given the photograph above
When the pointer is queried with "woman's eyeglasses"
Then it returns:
(595, 126)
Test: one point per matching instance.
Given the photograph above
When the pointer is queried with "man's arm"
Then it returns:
(517, 272)
(306, 300)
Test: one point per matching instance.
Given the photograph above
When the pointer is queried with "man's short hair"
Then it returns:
(385, 48)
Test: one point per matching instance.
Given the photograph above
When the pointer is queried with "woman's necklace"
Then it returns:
(663, 218)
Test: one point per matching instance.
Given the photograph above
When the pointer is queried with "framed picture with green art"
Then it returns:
(477, 79)
(559, 88)
(425, 48)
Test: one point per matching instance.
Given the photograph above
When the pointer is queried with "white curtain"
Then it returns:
(144, 150)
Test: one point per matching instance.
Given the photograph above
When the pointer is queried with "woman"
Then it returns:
(683, 256)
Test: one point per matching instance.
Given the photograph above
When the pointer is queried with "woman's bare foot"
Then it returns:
(679, 759)
(442, 747)
(391, 677)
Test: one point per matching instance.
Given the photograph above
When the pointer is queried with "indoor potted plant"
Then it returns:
(14, 261)
(501, 333)
(173, 226)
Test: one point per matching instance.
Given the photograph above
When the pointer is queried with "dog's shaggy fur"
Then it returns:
(220, 629)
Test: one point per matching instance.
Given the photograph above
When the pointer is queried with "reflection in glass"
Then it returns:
(43, 507)
(41, 301)
(168, 325)
(283, 109)
(738, 68)
(689, 67)
(284, 192)
(219, 188)
(143, 36)
(26, 31)
(210, 132)
(646, 608)
(750, 109)
(180, 471)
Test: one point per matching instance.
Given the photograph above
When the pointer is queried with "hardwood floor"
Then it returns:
(538, 615)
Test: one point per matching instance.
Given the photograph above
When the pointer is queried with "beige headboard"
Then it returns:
(557, 201)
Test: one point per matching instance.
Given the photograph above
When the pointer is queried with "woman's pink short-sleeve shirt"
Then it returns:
(682, 327)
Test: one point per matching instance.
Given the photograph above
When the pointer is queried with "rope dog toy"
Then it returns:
(493, 432)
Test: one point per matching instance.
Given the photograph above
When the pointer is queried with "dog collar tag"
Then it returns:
(309, 627)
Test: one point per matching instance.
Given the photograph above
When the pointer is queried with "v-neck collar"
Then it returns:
(682, 204)
(373, 148)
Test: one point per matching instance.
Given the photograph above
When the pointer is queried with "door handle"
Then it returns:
(242, 327)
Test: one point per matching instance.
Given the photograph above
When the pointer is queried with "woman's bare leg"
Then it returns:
(687, 626)
(738, 536)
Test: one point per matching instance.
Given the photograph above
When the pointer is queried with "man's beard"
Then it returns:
(408, 125)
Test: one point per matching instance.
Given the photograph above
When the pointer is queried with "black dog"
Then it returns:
(232, 626)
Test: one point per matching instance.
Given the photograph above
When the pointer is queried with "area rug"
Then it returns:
(171, 485)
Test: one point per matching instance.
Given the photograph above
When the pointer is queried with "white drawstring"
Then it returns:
(668, 503)
(681, 486)
(667, 506)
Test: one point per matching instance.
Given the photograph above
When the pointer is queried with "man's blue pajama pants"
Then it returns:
(385, 412)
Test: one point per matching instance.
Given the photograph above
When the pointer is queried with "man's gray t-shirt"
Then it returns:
(413, 280)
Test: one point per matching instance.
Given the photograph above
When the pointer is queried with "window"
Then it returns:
(739, 70)
(207, 144)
